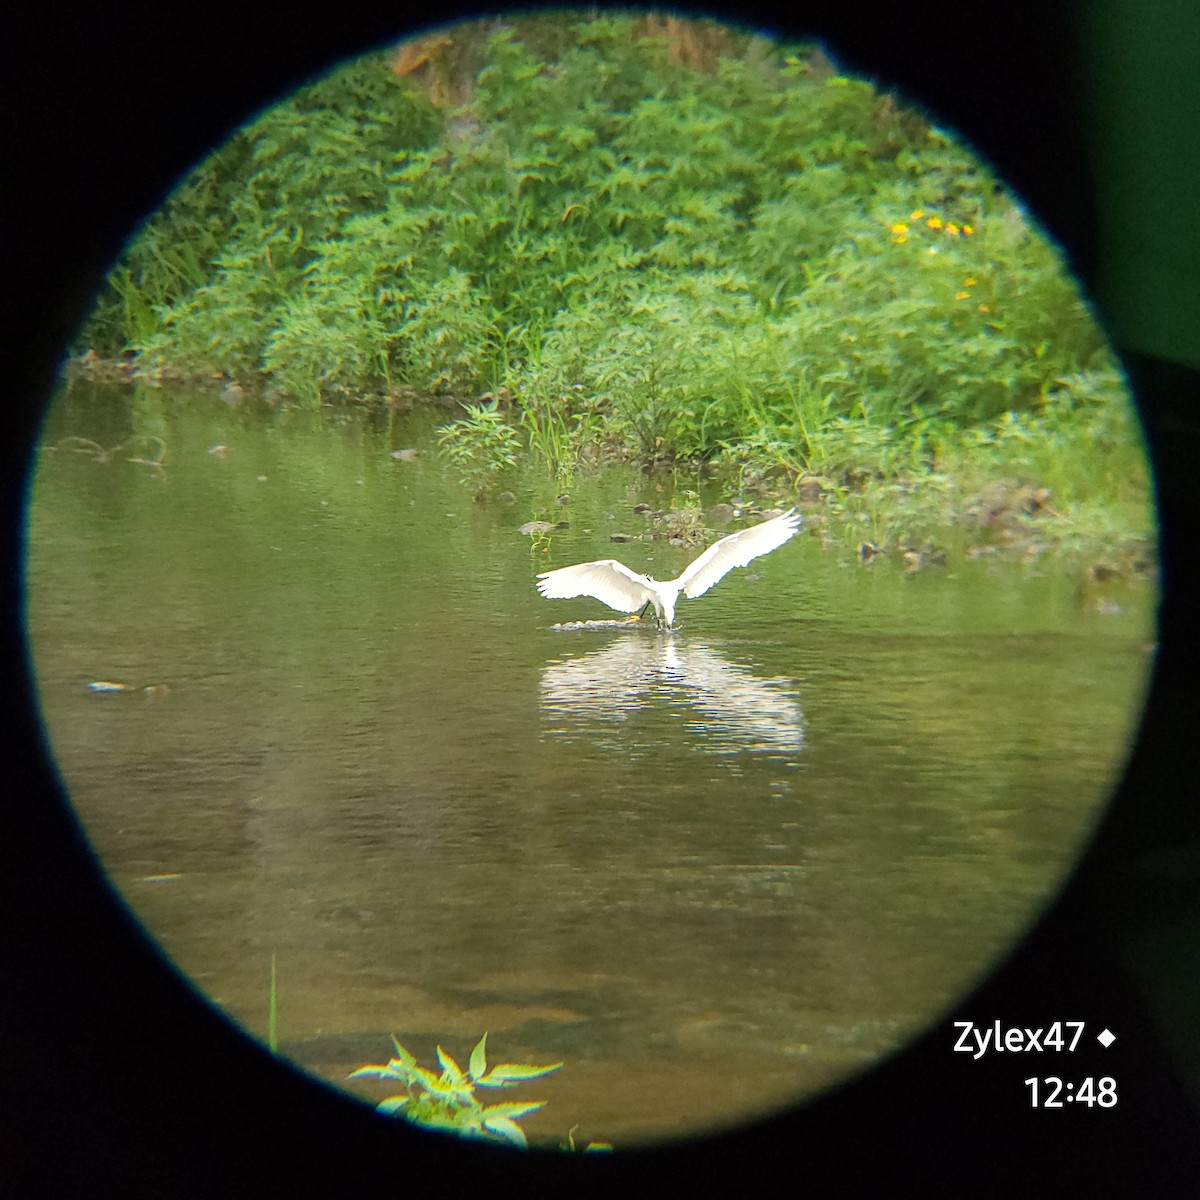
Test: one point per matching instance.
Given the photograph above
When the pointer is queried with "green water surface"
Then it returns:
(712, 872)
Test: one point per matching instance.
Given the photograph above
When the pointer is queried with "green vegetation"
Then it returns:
(273, 1012)
(745, 259)
(480, 445)
(448, 1101)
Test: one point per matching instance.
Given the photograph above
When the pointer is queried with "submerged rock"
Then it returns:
(632, 622)
(1003, 501)
(810, 490)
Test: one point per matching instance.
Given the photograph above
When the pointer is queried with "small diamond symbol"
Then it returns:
(1106, 1039)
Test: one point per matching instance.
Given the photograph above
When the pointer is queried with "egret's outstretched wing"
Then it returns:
(737, 550)
(606, 580)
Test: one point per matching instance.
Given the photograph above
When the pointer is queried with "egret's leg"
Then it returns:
(634, 618)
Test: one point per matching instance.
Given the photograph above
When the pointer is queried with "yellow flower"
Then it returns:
(916, 214)
(900, 238)
(968, 230)
(952, 229)
(985, 308)
(969, 281)
(899, 227)
(934, 222)
(962, 295)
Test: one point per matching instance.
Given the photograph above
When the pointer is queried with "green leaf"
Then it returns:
(452, 1069)
(373, 1072)
(508, 1130)
(478, 1064)
(448, 1090)
(402, 1054)
(508, 1074)
(427, 1078)
(513, 1110)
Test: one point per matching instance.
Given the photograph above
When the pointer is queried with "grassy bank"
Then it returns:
(740, 258)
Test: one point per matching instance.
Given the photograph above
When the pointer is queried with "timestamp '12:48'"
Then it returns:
(1057, 1094)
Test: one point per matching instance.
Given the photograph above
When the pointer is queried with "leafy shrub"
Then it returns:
(480, 445)
(765, 258)
(448, 1101)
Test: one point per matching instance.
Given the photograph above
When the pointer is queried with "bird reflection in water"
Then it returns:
(733, 708)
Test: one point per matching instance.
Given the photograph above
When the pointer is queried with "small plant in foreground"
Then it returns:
(273, 1013)
(448, 1101)
(592, 1147)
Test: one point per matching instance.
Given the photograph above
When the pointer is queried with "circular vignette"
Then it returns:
(78, 949)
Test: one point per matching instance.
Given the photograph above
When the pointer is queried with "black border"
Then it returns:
(116, 1080)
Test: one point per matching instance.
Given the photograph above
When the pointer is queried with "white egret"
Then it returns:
(627, 591)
